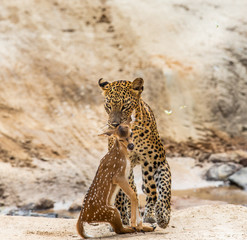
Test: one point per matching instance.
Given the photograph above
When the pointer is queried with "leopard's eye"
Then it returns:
(108, 106)
(125, 107)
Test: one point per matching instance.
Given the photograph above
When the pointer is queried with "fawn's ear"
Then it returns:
(107, 133)
(103, 84)
(130, 120)
(137, 85)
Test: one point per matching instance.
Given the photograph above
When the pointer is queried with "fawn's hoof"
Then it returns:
(148, 228)
(154, 227)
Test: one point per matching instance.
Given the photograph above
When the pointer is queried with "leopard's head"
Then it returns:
(121, 98)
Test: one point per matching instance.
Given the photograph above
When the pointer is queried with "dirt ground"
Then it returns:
(221, 222)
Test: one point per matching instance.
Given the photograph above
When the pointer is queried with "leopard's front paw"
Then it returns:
(148, 218)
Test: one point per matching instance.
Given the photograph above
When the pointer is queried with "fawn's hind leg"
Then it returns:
(116, 223)
(136, 220)
(124, 184)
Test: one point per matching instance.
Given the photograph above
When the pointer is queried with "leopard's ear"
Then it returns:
(137, 85)
(103, 84)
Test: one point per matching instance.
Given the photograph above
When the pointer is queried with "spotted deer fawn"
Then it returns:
(112, 174)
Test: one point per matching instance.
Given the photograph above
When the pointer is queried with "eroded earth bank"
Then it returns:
(192, 57)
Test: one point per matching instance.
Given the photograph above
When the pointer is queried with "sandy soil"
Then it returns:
(219, 222)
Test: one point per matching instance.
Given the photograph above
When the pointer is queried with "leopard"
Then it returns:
(123, 101)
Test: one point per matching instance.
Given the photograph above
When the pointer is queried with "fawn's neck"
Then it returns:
(120, 147)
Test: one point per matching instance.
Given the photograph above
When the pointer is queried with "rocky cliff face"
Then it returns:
(192, 57)
(199, 54)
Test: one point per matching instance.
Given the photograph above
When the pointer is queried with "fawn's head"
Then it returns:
(123, 134)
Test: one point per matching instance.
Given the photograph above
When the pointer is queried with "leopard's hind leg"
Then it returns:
(162, 177)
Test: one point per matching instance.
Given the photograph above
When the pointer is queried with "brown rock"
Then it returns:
(243, 162)
(44, 203)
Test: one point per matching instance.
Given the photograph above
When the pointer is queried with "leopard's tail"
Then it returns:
(162, 179)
